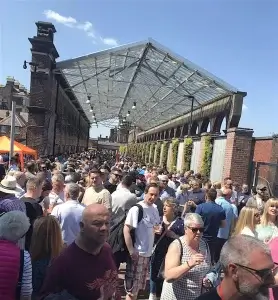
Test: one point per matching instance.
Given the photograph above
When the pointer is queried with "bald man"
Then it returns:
(230, 212)
(86, 268)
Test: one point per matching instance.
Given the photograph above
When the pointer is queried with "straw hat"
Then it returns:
(9, 185)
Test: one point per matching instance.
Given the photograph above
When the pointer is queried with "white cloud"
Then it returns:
(110, 42)
(67, 21)
(244, 107)
(87, 27)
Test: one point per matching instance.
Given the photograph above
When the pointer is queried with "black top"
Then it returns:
(134, 189)
(33, 211)
(211, 295)
(110, 186)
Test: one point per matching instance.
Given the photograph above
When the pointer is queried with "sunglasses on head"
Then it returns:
(195, 230)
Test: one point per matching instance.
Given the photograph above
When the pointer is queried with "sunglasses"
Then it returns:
(265, 274)
(117, 175)
(195, 230)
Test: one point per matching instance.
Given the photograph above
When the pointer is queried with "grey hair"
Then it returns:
(73, 190)
(193, 218)
(58, 178)
(13, 225)
(238, 249)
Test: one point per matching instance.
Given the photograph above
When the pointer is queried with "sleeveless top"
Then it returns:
(189, 286)
(9, 269)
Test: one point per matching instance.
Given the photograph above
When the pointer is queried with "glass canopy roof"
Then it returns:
(144, 83)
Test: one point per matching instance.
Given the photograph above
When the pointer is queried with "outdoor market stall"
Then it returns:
(18, 148)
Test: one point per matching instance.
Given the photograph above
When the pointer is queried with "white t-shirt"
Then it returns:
(69, 215)
(144, 230)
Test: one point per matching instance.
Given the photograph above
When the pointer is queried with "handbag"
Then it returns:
(161, 271)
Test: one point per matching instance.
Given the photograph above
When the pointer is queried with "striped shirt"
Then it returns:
(26, 286)
(11, 203)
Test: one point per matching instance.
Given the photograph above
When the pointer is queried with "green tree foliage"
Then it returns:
(164, 154)
(187, 153)
(174, 158)
(206, 163)
(123, 149)
(158, 151)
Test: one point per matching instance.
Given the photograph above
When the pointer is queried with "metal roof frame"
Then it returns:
(159, 81)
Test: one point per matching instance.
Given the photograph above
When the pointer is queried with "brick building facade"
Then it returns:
(14, 91)
(57, 123)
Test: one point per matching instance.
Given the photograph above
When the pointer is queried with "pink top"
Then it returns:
(9, 269)
(273, 245)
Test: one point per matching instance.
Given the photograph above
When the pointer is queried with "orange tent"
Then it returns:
(18, 148)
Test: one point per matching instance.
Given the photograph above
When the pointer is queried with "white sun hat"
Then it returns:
(9, 185)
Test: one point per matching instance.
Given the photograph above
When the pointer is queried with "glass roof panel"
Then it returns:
(107, 84)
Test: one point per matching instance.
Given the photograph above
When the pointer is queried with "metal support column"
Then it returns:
(191, 114)
(78, 134)
(88, 137)
(12, 132)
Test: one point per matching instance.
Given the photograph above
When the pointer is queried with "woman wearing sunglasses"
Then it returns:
(187, 262)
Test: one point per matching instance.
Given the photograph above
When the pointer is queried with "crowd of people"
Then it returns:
(70, 223)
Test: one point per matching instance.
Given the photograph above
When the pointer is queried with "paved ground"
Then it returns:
(142, 296)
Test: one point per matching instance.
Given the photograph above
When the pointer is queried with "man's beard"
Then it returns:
(250, 292)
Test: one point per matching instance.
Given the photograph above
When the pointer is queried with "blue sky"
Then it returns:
(234, 39)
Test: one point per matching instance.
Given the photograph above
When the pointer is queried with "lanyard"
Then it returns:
(220, 293)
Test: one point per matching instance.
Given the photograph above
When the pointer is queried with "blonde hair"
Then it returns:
(265, 215)
(245, 219)
(46, 239)
(184, 187)
(170, 202)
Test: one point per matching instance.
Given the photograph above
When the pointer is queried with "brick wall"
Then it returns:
(262, 153)
(262, 149)
(238, 154)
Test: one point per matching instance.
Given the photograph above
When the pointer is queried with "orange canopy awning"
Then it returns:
(18, 148)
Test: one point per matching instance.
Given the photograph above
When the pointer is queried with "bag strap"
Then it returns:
(21, 266)
(181, 246)
(140, 212)
(165, 231)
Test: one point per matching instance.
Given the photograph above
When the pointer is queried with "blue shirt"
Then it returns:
(212, 215)
(224, 232)
(166, 193)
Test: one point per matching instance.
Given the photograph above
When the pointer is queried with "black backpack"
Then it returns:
(116, 239)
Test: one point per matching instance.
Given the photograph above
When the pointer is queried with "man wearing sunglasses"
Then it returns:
(259, 199)
(248, 268)
(113, 181)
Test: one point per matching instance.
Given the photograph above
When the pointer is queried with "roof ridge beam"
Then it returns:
(134, 75)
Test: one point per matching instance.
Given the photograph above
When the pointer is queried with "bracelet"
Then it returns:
(188, 265)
